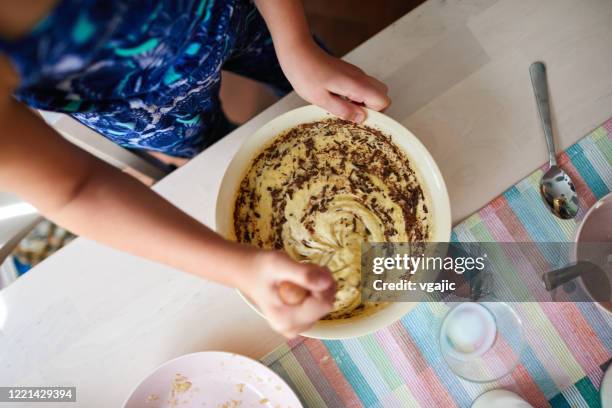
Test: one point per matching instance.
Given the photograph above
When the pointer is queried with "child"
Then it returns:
(146, 74)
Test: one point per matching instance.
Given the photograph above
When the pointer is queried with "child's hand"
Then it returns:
(332, 83)
(260, 283)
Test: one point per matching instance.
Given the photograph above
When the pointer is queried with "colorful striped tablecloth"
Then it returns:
(568, 344)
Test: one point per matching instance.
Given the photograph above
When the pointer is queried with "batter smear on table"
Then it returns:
(321, 189)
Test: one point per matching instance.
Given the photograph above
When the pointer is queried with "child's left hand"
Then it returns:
(333, 84)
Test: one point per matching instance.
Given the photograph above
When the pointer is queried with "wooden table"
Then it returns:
(100, 320)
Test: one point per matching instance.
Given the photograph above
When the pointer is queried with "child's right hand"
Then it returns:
(260, 281)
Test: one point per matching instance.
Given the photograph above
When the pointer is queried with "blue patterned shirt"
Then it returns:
(145, 74)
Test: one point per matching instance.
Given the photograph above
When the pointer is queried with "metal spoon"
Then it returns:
(558, 277)
(556, 187)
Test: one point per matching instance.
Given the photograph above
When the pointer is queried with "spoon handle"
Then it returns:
(537, 71)
(558, 277)
(291, 294)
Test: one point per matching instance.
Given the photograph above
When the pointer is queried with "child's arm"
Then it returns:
(315, 75)
(95, 200)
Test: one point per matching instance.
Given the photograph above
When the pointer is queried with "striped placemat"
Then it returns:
(568, 344)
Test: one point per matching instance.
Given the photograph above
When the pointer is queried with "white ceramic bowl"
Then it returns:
(596, 226)
(421, 162)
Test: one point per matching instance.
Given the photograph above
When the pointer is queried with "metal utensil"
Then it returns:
(556, 187)
(558, 277)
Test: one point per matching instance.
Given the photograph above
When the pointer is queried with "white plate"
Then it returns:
(212, 379)
(606, 389)
(421, 162)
